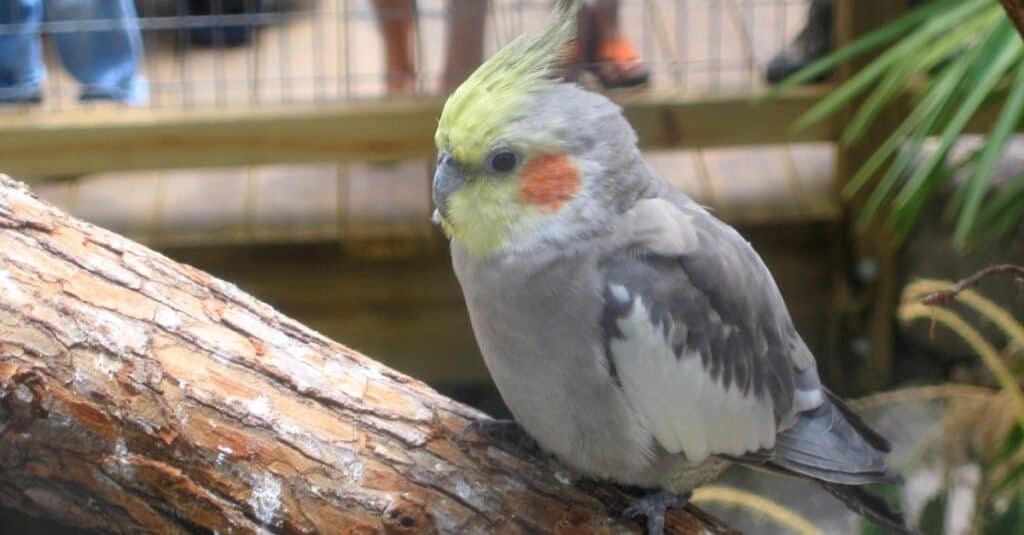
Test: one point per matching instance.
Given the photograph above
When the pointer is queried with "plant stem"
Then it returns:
(983, 349)
(945, 296)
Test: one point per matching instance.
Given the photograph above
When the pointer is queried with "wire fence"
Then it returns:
(255, 54)
(173, 54)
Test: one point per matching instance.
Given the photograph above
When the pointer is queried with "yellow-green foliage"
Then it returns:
(1000, 494)
(912, 309)
(756, 504)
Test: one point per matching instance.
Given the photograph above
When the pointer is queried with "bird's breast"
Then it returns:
(539, 334)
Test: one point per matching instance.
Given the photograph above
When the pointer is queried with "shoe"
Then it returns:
(617, 65)
(21, 90)
(224, 35)
(813, 42)
(134, 92)
(31, 98)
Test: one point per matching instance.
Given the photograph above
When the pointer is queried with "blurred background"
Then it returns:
(286, 146)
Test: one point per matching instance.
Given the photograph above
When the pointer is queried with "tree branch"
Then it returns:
(946, 296)
(141, 395)
(1015, 10)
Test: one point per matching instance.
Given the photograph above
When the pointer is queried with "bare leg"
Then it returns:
(605, 16)
(466, 21)
(396, 18)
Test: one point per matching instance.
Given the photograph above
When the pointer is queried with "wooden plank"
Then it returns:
(729, 120)
(40, 144)
(863, 357)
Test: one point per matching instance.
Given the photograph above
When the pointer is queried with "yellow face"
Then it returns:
(486, 203)
(495, 181)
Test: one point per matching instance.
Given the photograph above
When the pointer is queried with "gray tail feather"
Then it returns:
(828, 445)
(857, 498)
(833, 446)
(870, 506)
(879, 442)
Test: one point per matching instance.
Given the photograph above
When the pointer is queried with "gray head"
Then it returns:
(525, 158)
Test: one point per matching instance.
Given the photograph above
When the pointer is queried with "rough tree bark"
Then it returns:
(141, 395)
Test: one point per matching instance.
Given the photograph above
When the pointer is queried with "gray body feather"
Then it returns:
(645, 341)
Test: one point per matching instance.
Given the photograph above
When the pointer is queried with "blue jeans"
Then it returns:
(105, 60)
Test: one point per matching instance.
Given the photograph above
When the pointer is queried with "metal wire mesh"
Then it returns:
(248, 53)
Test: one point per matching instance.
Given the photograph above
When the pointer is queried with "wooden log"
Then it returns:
(144, 396)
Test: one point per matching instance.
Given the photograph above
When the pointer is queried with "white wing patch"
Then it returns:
(685, 409)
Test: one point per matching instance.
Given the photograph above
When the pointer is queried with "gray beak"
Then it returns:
(447, 179)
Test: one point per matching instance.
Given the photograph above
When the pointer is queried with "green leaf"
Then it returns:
(944, 20)
(868, 42)
(891, 494)
(1007, 522)
(995, 144)
(1014, 477)
(1011, 444)
(1002, 214)
(967, 165)
(1004, 45)
(933, 517)
(1002, 223)
(910, 64)
(919, 123)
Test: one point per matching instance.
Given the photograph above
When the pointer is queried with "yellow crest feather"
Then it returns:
(476, 112)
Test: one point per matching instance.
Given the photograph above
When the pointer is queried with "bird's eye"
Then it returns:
(503, 160)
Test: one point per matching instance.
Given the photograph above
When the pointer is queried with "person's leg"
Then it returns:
(21, 61)
(104, 60)
(813, 42)
(466, 21)
(605, 15)
(396, 18)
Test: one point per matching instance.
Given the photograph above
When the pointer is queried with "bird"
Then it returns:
(632, 334)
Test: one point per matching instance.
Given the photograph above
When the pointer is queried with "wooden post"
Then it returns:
(865, 339)
(138, 395)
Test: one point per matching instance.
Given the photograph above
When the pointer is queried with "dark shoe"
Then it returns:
(20, 99)
(813, 42)
(223, 35)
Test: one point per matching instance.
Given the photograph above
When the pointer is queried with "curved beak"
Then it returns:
(447, 179)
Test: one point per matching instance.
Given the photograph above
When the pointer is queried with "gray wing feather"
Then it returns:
(703, 280)
(708, 291)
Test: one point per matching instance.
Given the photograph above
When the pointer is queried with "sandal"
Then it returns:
(616, 64)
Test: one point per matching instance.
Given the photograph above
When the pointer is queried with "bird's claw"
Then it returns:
(653, 507)
(499, 431)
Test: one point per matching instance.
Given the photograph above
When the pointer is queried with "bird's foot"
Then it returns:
(653, 507)
(507, 431)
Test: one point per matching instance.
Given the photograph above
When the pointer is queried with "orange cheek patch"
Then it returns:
(550, 180)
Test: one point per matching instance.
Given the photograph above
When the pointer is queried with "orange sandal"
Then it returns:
(617, 64)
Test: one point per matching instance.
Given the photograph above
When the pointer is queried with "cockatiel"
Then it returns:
(632, 334)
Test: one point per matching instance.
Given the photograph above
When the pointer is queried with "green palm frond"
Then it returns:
(952, 58)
